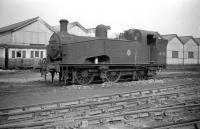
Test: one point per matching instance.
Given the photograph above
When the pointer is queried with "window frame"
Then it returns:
(20, 53)
(41, 54)
(175, 55)
(190, 55)
(13, 53)
(37, 52)
(32, 54)
(24, 54)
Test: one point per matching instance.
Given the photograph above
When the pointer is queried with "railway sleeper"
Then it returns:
(63, 104)
(19, 118)
(90, 100)
(135, 106)
(147, 115)
(94, 112)
(174, 112)
(136, 94)
(148, 99)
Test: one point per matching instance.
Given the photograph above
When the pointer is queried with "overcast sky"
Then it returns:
(165, 16)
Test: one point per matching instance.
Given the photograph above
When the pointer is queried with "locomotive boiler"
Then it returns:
(81, 60)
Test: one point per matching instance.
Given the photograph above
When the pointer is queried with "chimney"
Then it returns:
(63, 25)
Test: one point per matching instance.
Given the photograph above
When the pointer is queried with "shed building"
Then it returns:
(198, 41)
(24, 41)
(190, 48)
(174, 49)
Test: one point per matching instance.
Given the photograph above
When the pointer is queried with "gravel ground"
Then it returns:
(19, 88)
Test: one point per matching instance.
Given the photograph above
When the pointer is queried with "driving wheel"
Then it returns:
(84, 76)
(113, 76)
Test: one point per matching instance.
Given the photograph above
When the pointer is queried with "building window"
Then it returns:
(13, 54)
(190, 54)
(41, 54)
(24, 54)
(36, 53)
(19, 54)
(32, 54)
(174, 54)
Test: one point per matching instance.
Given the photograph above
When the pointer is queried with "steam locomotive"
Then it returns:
(81, 60)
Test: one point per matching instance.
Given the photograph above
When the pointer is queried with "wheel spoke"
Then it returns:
(112, 76)
(83, 76)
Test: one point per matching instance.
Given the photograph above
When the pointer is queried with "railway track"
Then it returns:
(170, 116)
(175, 76)
(158, 76)
(191, 124)
(43, 114)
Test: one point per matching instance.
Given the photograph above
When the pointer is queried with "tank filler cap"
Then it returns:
(101, 31)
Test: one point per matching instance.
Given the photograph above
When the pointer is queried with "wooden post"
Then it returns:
(6, 57)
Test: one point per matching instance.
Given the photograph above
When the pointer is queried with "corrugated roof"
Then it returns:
(78, 24)
(185, 39)
(171, 36)
(197, 40)
(158, 34)
(16, 26)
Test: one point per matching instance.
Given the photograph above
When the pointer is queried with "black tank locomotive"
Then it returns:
(81, 59)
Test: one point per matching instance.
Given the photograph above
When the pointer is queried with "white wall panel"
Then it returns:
(199, 53)
(78, 31)
(18, 37)
(27, 37)
(35, 33)
(7, 38)
(42, 38)
(190, 46)
(2, 52)
(174, 45)
(34, 38)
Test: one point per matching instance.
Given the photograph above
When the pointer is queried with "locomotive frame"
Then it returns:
(84, 74)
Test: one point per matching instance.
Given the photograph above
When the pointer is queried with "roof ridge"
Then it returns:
(187, 36)
(185, 39)
(17, 25)
(168, 34)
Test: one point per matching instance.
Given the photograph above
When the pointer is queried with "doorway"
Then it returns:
(151, 44)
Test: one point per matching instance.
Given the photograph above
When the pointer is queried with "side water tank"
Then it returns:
(101, 31)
